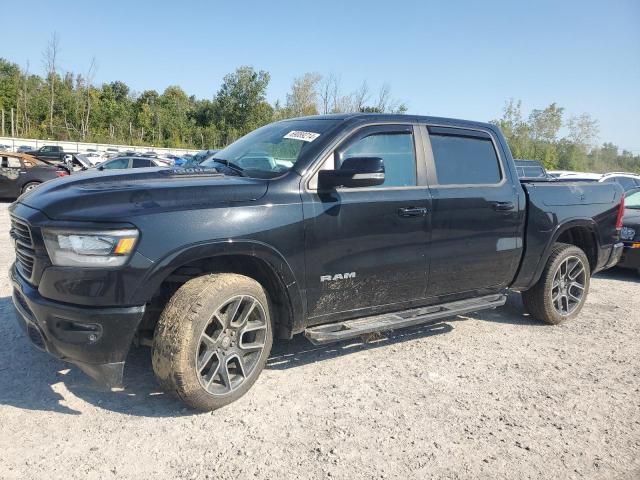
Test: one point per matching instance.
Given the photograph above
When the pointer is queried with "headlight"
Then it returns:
(73, 248)
(627, 233)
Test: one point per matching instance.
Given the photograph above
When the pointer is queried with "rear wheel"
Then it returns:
(213, 339)
(30, 186)
(562, 289)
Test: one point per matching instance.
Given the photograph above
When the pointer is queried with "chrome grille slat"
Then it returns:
(21, 232)
(24, 258)
(25, 254)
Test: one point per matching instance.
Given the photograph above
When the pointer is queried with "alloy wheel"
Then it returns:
(231, 344)
(568, 287)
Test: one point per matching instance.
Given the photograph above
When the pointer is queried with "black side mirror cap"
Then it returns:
(355, 172)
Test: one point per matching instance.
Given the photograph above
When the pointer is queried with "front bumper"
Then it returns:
(96, 339)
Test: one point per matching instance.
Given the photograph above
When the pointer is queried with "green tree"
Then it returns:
(241, 102)
(515, 129)
(545, 124)
(303, 98)
(9, 85)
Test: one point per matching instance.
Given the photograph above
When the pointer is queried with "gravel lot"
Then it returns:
(492, 395)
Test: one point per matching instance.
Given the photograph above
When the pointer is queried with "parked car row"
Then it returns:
(20, 173)
(95, 155)
(627, 180)
(533, 169)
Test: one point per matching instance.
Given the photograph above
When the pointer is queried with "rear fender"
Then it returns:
(588, 223)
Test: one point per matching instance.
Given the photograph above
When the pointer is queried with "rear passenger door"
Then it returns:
(476, 237)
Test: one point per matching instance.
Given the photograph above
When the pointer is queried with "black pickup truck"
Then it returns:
(51, 153)
(331, 226)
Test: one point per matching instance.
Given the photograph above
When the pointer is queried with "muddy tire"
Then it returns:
(213, 339)
(562, 288)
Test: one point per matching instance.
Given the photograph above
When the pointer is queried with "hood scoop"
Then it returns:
(116, 196)
(135, 181)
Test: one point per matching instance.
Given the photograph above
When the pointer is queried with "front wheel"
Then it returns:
(213, 339)
(30, 186)
(562, 289)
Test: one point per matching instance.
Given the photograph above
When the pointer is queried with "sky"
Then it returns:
(459, 59)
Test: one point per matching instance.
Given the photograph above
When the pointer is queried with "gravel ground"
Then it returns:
(491, 395)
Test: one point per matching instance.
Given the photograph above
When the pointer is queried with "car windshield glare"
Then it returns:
(272, 150)
(632, 200)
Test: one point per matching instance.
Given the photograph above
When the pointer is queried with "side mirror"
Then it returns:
(355, 172)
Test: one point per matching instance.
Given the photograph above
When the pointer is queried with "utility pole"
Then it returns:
(13, 130)
(3, 122)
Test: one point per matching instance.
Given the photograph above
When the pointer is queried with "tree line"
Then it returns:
(537, 137)
(70, 106)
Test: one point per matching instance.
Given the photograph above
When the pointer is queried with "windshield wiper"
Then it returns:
(231, 165)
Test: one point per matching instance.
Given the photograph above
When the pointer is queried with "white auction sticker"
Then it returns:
(304, 136)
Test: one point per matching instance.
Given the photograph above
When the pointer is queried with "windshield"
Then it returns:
(272, 150)
(632, 199)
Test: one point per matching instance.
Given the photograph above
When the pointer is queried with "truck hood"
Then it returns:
(113, 196)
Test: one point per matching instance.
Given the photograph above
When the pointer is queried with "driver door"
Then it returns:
(366, 248)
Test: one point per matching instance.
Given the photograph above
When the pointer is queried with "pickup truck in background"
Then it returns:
(531, 170)
(333, 226)
(51, 153)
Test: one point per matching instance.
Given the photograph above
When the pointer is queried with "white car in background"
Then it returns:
(94, 157)
(126, 162)
(625, 179)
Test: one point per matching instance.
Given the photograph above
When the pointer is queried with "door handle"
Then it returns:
(503, 206)
(412, 212)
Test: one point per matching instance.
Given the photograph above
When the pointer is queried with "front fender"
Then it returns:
(220, 248)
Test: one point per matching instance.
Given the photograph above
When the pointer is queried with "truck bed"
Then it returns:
(551, 204)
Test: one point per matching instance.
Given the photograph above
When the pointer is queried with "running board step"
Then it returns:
(335, 332)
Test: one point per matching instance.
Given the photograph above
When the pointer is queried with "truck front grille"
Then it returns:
(21, 231)
(25, 253)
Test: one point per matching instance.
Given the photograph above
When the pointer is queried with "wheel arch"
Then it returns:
(251, 258)
(580, 232)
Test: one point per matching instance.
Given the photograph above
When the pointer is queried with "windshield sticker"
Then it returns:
(304, 136)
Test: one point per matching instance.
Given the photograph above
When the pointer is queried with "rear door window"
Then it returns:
(464, 158)
(141, 163)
